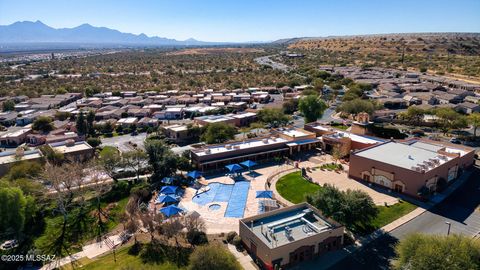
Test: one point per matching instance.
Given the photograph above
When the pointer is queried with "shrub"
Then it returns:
(230, 236)
(237, 242)
(213, 257)
(196, 237)
(94, 142)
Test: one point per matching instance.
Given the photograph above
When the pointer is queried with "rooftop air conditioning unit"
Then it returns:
(236, 147)
(208, 151)
(265, 140)
(228, 146)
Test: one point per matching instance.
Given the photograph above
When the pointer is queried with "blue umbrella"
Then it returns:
(266, 194)
(167, 180)
(248, 163)
(170, 210)
(194, 174)
(233, 167)
(166, 199)
(168, 190)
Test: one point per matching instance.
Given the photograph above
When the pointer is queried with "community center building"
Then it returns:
(411, 165)
(290, 235)
(281, 142)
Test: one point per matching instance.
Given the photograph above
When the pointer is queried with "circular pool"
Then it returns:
(214, 207)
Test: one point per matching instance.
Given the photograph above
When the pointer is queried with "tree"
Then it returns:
(94, 142)
(449, 119)
(453, 252)
(70, 207)
(474, 120)
(218, 133)
(43, 124)
(8, 105)
(12, 210)
(213, 257)
(163, 161)
(352, 208)
(81, 124)
(356, 106)
(273, 116)
(135, 160)
(312, 107)
(290, 106)
(89, 122)
(110, 160)
(413, 115)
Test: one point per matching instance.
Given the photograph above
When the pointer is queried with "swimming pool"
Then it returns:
(234, 194)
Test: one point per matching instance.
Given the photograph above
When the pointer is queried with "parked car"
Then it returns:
(9, 244)
(455, 140)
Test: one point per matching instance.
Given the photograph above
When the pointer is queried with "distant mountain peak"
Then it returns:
(38, 32)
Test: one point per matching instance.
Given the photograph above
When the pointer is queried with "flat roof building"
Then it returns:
(8, 159)
(410, 166)
(281, 142)
(290, 235)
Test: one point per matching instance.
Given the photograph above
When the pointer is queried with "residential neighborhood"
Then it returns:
(239, 135)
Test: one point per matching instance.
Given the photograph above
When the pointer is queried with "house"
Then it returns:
(285, 237)
(239, 120)
(445, 98)
(467, 107)
(74, 151)
(473, 99)
(14, 137)
(148, 122)
(8, 118)
(410, 166)
(10, 158)
(127, 122)
(177, 133)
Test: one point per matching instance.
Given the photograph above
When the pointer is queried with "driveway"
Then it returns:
(122, 143)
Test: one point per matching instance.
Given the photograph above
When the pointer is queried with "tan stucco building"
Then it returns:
(290, 235)
(410, 165)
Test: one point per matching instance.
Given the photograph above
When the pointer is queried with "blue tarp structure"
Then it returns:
(170, 210)
(266, 194)
(194, 174)
(166, 199)
(168, 190)
(248, 163)
(233, 167)
(167, 180)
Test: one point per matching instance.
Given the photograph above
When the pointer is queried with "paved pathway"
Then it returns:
(89, 251)
(245, 260)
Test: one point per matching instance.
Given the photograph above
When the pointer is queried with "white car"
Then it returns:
(9, 244)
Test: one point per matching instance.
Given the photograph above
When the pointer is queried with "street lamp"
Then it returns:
(449, 225)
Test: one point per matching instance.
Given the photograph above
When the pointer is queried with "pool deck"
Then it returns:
(215, 220)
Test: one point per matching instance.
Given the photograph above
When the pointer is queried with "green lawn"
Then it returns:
(108, 149)
(293, 187)
(115, 213)
(387, 214)
(124, 261)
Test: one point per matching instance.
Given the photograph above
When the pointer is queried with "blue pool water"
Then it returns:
(235, 195)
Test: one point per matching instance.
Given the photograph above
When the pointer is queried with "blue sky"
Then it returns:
(250, 20)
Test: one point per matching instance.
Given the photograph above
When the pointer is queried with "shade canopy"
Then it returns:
(167, 180)
(170, 210)
(194, 174)
(248, 163)
(233, 167)
(169, 190)
(166, 199)
(266, 194)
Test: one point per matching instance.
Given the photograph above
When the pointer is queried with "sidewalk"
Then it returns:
(245, 260)
(89, 251)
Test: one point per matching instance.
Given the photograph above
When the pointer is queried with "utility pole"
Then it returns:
(449, 225)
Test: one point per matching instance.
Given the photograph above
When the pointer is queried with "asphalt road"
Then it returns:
(461, 209)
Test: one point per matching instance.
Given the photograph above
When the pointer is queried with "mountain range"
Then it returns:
(28, 32)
